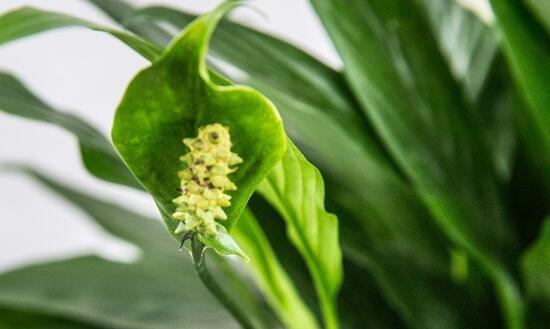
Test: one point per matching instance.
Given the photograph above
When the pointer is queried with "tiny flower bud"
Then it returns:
(204, 180)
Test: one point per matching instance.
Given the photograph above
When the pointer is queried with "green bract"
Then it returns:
(173, 98)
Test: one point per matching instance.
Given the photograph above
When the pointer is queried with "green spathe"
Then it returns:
(169, 100)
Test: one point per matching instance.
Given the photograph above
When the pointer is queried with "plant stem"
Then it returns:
(199, 260)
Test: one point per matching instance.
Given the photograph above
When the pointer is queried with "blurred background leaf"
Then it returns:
(98, 155)
(159, 290)
(527, 50)
(13, 319)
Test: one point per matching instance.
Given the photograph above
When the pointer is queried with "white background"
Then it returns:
(86, 72)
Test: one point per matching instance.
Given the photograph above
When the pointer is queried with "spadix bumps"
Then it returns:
(205, 180)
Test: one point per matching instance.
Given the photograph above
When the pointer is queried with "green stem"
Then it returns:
(202, 270)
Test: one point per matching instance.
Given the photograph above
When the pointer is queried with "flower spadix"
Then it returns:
(205, 180)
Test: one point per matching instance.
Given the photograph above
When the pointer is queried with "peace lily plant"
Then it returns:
(433, 141)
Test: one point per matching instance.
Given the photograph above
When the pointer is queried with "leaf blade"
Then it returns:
(295, 188)
(27, 21)
(535, 265)
(271, 276)
(426, 129)
(526, 48)
(13, 319)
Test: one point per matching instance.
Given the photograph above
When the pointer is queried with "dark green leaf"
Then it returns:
(15, 319)
(425, 128)
(496, 109)
(541, 9)
(357, 306)
(536, 267)
(468, 45)
(471, 50)
(527, 48)
(176, 95)
(417, 109)
(529, 197)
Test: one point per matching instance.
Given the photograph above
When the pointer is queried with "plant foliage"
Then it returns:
(411, 189)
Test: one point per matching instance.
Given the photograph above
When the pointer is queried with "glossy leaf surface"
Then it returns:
(468, 44)
(417, 109)
(271, 276)
(295, 188)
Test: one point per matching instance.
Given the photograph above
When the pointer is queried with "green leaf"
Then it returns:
(471, 49)
(423, 296)
(159, 290)
(173, 97)
(357, 306)
(541, 9)
(115, 296)
(120, 11)
(425, 129)
(271, 276)
(496, 108)
(98, 155)
(527, 48)
(27, 21)
(295, 188)
(417, 109)
(15, 319)
(468, 44)
(536, 266)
